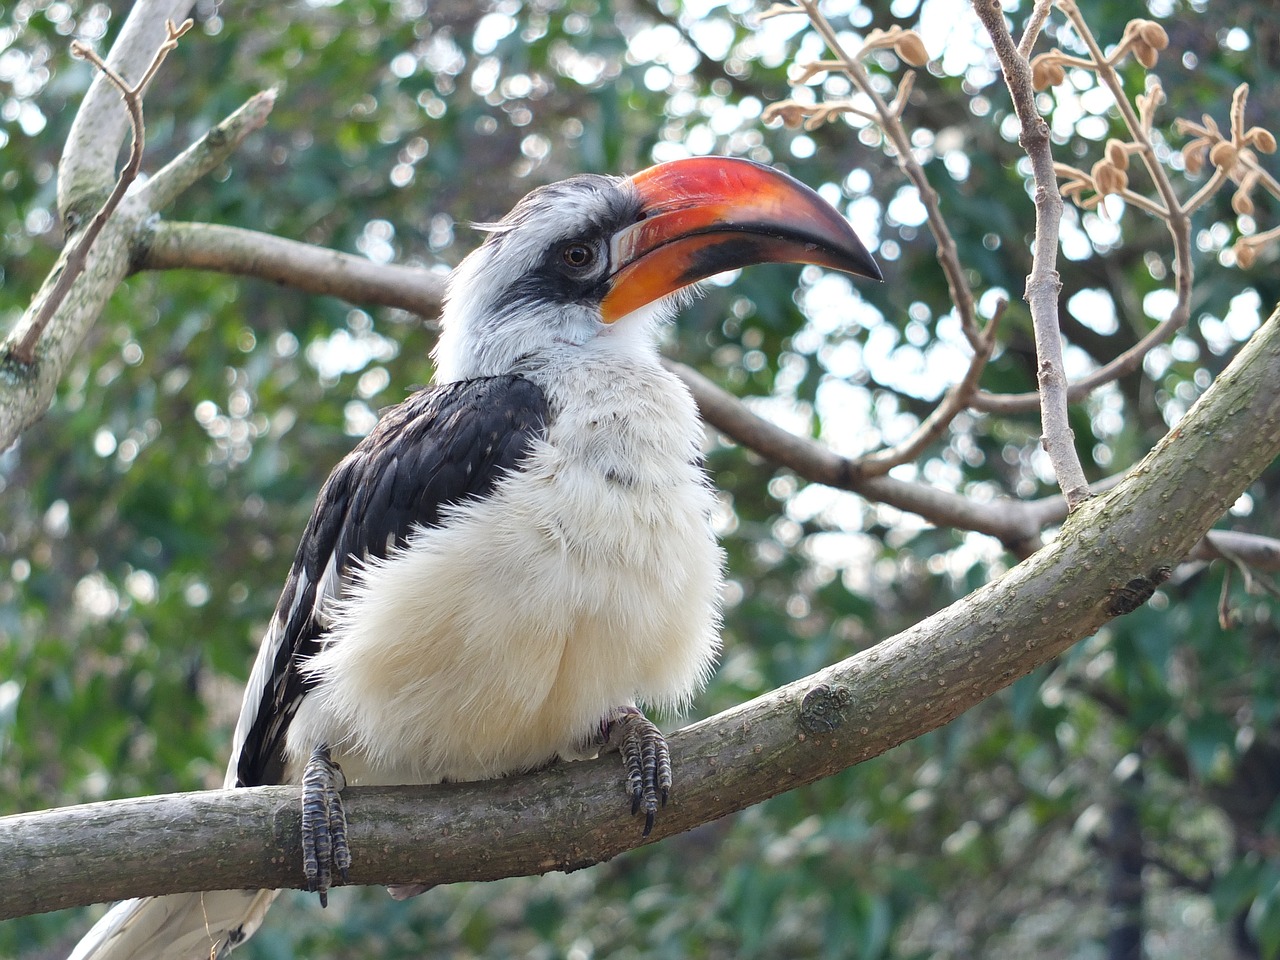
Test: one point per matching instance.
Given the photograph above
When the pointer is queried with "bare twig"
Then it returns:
(956, 400)
(1043, 285)
(1035, 24)
(888, 118)
(89, 163)
(24, 350)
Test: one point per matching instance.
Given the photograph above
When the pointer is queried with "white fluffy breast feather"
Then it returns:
(587, 581)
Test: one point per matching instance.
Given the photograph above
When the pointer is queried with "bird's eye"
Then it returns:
(578, 255)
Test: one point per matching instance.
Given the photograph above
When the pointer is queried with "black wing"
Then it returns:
(441, 446)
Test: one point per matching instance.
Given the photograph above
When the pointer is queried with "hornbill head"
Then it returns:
(592, 262)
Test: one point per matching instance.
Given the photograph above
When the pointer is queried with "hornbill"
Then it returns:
(520, 554)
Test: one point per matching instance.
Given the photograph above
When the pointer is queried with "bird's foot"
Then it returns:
(646, 757)
(324, 823)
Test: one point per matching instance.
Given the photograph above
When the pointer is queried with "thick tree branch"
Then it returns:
(1111, 555)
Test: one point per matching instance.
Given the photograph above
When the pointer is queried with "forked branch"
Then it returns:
(24, 351)
(1043, 284)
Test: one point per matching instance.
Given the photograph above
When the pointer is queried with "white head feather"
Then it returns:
(513, 303)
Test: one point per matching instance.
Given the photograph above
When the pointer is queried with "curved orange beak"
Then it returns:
(705, 215)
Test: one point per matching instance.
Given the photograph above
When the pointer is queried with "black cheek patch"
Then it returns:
(551, 282)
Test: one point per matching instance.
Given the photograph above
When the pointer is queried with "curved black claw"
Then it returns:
(324, 824)
(646, 757)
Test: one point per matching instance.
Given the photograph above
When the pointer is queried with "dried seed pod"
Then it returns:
(1046, 72)
(1261, 139)
(791, 114)
(1246, 254)
(1193, 155)
(1242, 203)
(1223, 154)
(1145, 54)
(910, 49)
(1117, 155)
(1152, 34)
(1108, 178)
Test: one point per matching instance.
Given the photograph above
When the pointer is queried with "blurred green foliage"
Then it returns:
(148, 518)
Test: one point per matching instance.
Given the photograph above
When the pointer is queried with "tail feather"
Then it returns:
(180, 926)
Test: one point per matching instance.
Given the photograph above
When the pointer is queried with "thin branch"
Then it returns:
(1010, 521)
(1077, 390)
(1043, 285)
(88, 165)
(1261, 553)
(208, 153)
(206, 246)
(1016, 523)
(957, 399)
(24, 350)
(1035, 24)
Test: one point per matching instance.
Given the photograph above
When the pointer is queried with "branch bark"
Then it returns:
(249, 253)
(1111, 555)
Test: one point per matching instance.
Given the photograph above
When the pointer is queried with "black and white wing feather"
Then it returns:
(442, 446)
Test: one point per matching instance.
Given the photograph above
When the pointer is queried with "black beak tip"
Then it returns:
(861, 263)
